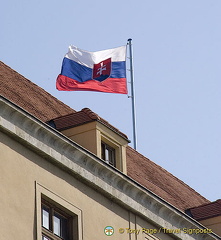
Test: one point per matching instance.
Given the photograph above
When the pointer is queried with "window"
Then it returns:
(108, 154)
(56, 224)
(56, 217)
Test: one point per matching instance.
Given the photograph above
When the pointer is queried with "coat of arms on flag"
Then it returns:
(102, 70)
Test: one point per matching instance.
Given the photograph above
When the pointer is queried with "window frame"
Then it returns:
(63, 206)
(53, 211)
(107, 149)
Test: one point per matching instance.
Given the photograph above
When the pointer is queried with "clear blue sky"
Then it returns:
(177, 57)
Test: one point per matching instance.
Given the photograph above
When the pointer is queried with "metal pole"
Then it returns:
(132, 94)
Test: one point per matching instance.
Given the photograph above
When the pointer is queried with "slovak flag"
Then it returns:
(102, 71)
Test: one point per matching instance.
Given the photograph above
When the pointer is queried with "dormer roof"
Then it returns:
(82, 117)
(205, 211)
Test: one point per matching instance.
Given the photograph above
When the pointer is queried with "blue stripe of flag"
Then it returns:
(81, 73)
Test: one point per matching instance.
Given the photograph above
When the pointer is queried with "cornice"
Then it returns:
(82, 164)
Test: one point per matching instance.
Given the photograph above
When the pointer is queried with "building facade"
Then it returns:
(70, 175)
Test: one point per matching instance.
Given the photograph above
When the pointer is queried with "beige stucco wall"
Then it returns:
(90, 135)
(214, 224)
(21, 170)
(85, 135)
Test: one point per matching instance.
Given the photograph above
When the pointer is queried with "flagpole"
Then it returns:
(132, 94)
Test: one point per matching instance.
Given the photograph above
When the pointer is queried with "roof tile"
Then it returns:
(161, 182)
(79, 118)
(29, 96)
(206, 211)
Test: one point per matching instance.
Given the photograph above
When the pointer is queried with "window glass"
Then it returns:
(57, 225)
(45, 238)
(55, 222)
(45, 217)
(108, 153)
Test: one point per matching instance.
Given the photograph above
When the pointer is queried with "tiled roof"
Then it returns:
(161, 182)
(44, 106)
(79, 118)
(206, 211)
(29, 96)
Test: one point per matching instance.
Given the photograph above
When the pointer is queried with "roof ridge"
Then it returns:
(164, 170)
(91, 114)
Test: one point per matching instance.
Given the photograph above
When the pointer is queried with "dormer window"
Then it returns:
(108, 154)
(96, 135)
